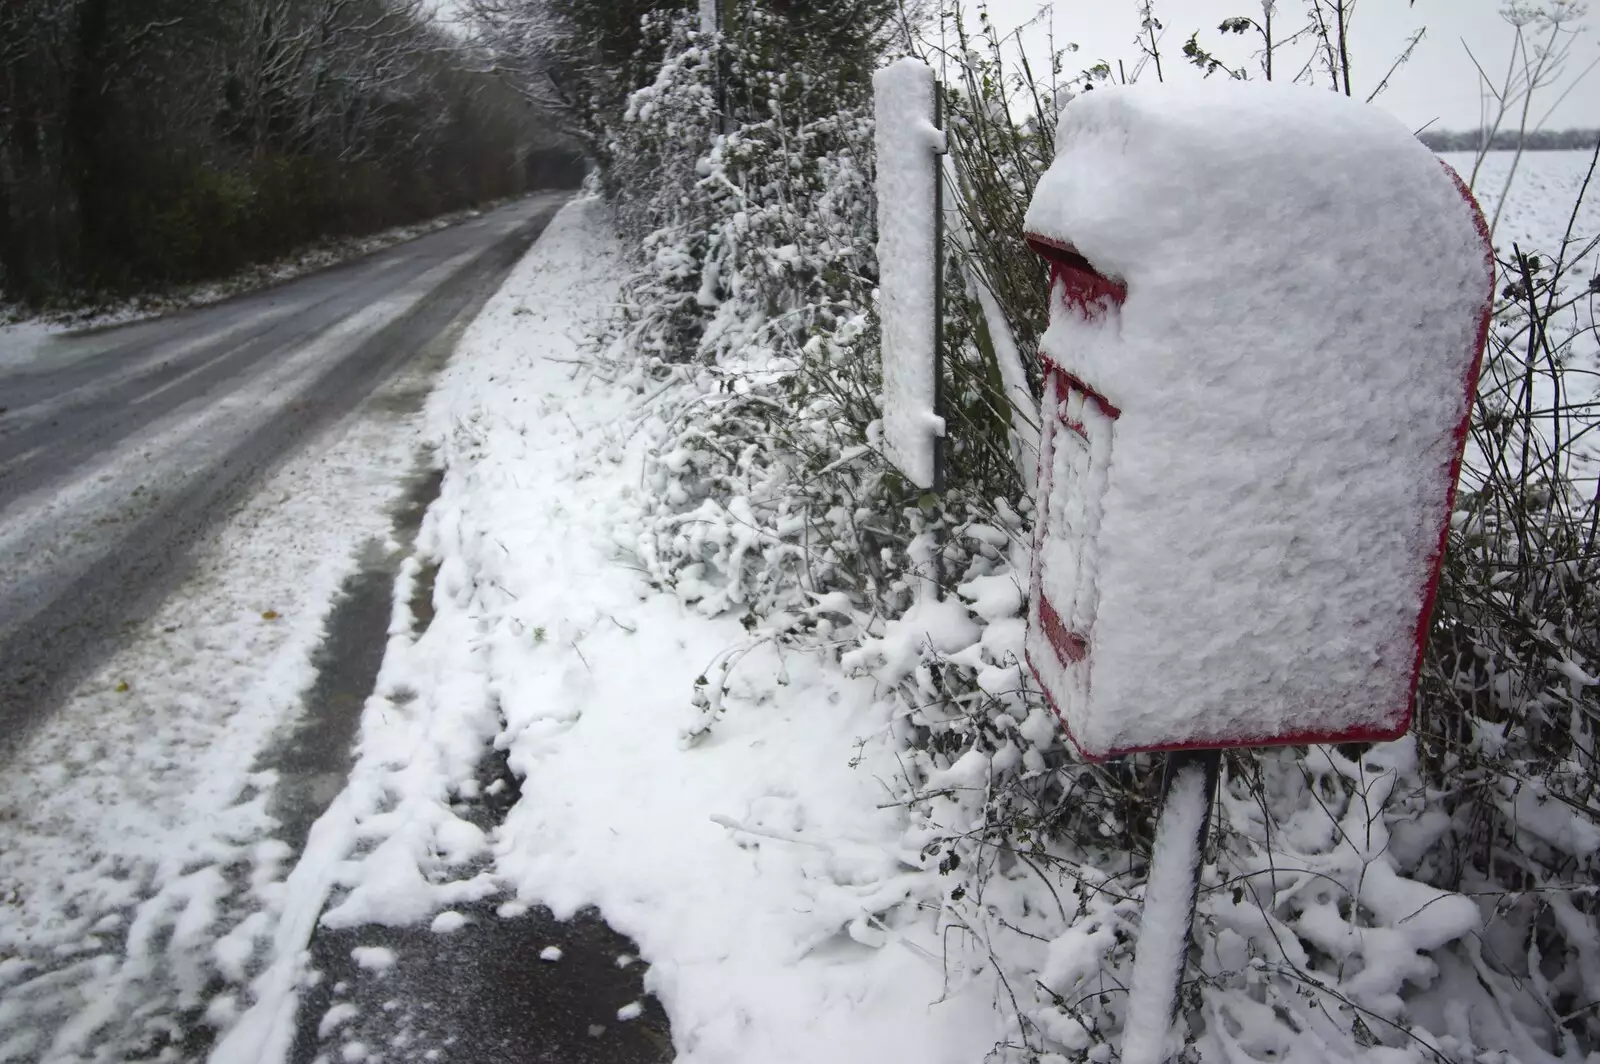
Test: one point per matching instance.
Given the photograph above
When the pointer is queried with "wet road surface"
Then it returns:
(119, 447)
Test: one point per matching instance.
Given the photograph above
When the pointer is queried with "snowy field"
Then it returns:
(1543, 191)
(1538, 212)
(1536, 215)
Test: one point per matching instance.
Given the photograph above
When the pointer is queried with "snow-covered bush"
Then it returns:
(754, 289)
(1509, 709)
(753, 306)
(1420, 900)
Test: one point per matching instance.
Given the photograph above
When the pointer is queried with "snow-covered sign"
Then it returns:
(1268, 311)
(908, 145)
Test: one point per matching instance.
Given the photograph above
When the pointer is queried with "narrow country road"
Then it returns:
(119, 447)
(204, 520)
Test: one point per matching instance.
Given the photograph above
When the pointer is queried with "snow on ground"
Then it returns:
(764, 884)
(129, 481)
(22, 342)
(1544, 188)
(1539, 203)
(755, 869)
(140, 865)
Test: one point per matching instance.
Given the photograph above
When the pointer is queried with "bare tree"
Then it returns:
(145, 141)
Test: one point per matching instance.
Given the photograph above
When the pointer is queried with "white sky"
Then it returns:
(1438, 85)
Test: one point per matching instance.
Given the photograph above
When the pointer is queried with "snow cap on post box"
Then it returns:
(1265, 398)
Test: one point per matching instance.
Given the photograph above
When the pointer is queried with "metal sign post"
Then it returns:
(910, 211)
(909, 181)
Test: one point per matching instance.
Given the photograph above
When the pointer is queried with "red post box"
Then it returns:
(1268, 307)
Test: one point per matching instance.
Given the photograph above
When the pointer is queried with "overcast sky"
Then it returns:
(1438, 85)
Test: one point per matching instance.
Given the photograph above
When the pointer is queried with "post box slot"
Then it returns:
(1083, 286)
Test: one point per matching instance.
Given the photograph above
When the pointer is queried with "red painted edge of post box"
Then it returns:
(1106, 406)
(1463, 428)
(1085, 287)
(1088, 289)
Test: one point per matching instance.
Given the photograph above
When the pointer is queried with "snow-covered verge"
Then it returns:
(140, 866)
(765, 871)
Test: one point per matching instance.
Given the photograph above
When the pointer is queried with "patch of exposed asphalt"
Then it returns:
(481, 994)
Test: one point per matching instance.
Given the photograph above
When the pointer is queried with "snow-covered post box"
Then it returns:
(1268, 308)
(1267, 311)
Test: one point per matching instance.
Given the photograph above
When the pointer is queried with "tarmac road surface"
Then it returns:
(119, 447)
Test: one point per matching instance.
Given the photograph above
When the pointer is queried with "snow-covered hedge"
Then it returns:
(1426, 900)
